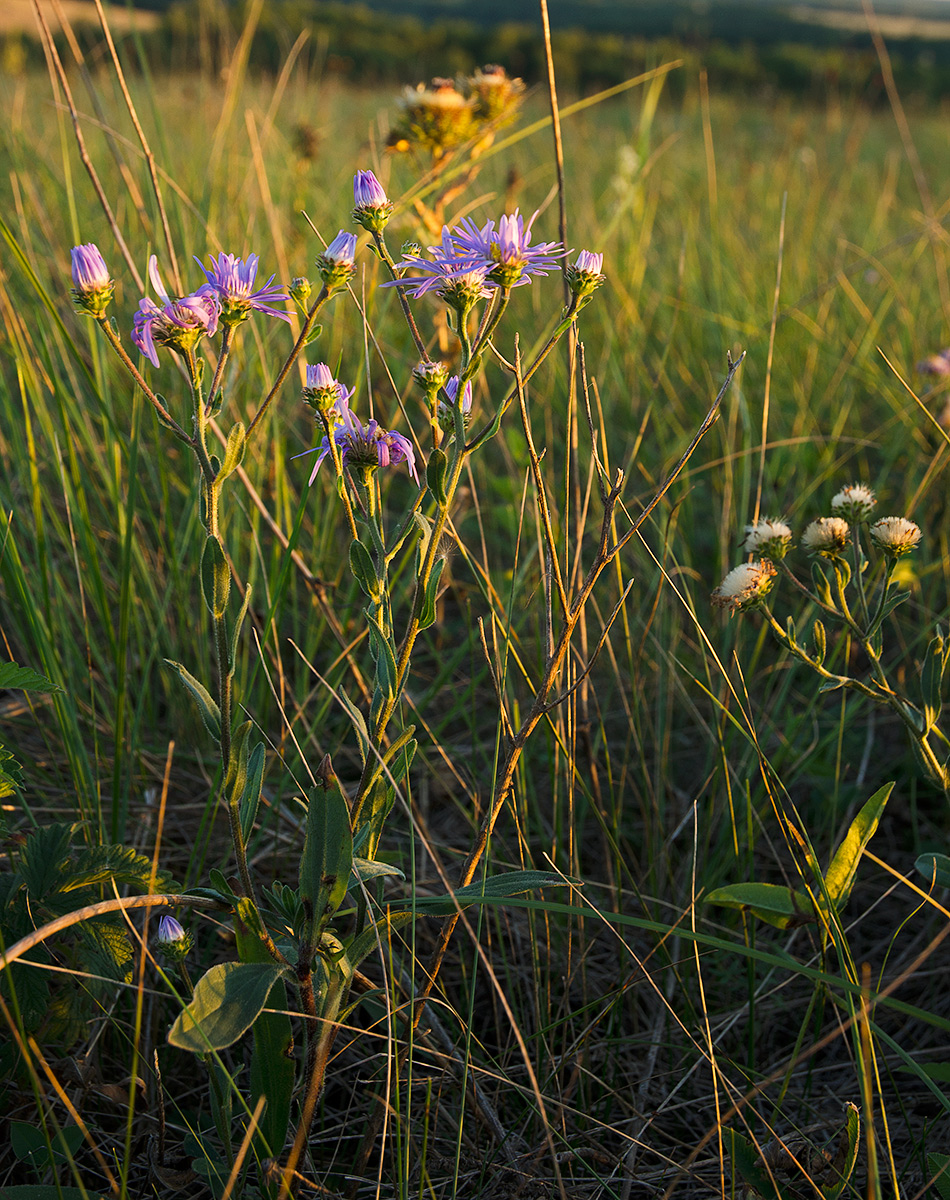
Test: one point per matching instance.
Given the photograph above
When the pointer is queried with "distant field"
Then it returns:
(18, 16)
(891, 25)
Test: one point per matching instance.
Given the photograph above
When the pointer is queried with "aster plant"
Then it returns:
(392, 492)
(855, 572)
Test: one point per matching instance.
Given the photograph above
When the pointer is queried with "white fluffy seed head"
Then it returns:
(854, 503)
(895, 535)
(769, 537)
(745, 586)
(827, 536)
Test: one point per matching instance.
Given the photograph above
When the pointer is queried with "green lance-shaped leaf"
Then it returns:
(24, 679)
(365, 870)
(272, 1069)
(392, 761)
(847, 1154)
(494, 889)
(791, 630)
(227, 1001)
(236, 631)
(358, 721)
(840, 877)
(386, 670)
(379, 802)
(436, 469)
(327, 850)
(895, 595)
(236, 777)
(931, 679)
(935, 868)
(233, 451)
(272, 1065)
(749, 1165)
(364, 571)
(821, 642)
(778, 906)
(366, 942)
(210, 713)
(215, 577)
(251, 796)
(822, 586)
(427, 615)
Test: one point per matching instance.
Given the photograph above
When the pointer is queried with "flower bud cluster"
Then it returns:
(829, 537)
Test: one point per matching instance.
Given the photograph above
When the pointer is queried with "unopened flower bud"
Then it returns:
(300, 289)
(325, 394)
(447, 414)
(770, 537)
(430, 376)
(854, 503)
(373, 208)
(338, 262)
(410, 249)
(895, 535)
(585, 276)
(827, 536)
(745, 586)
(92, 287)
(172, 939)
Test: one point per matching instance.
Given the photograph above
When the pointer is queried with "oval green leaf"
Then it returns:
(227, 1001)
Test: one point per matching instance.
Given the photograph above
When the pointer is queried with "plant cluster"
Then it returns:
(311, 934)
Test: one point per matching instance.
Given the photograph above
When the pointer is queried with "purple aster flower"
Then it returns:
(452, 390)
(170, 930)
(324, 393)
(92, 286)
(373, 208)
(460, 279)
(368, 192)
(342, 249)
(177, 323)
(338, 262)
(585, 276)
(446, 413)
(367, 446)
(231, 279)
(507, 250)
(936, 364)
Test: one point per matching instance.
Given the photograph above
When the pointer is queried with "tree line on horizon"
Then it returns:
(371, 47)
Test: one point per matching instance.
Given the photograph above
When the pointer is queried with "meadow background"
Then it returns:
(611, 1027)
